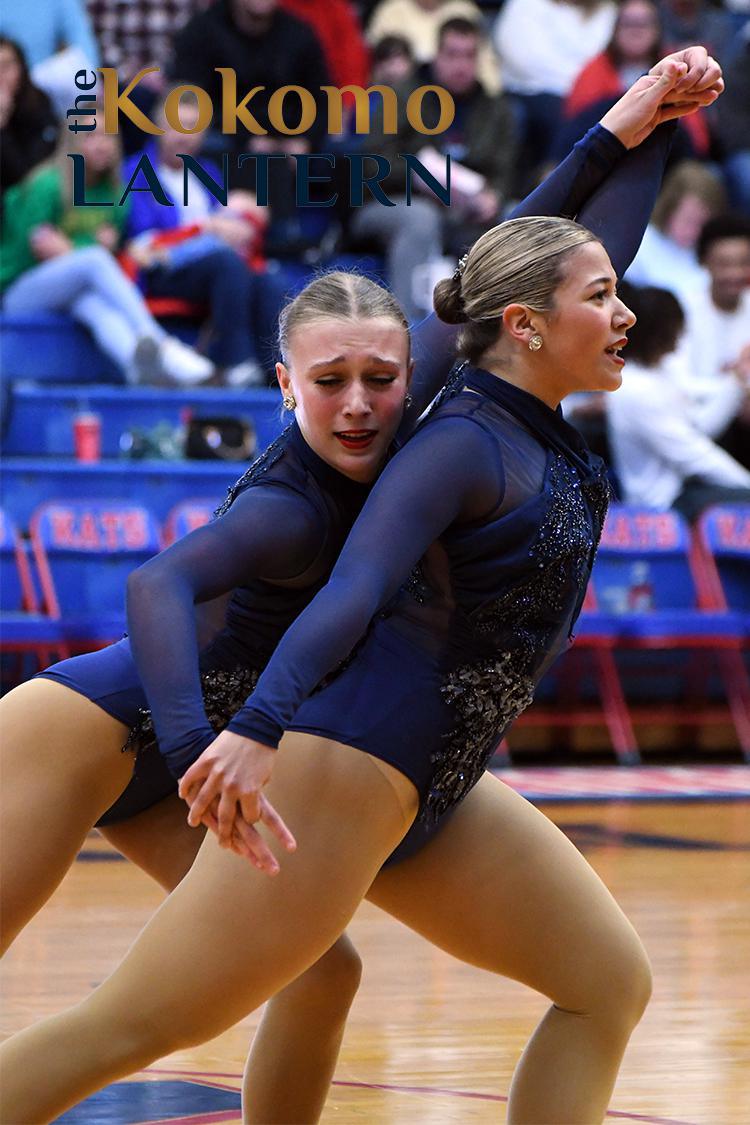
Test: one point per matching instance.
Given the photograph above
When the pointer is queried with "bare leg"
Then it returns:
(227, 938)
(526, 904)
(62, 767)
(295, 1049)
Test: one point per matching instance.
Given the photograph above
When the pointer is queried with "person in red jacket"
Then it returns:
(337, 28)
(635, 46)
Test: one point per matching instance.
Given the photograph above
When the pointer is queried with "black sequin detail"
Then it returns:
(417, 586)
(260, 465)
(488, 696)
(224, 693)
(490, 693)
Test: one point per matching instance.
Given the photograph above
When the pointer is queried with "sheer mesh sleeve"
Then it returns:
(407, 510)
(268, 532)
(567, 188)
(618, 211)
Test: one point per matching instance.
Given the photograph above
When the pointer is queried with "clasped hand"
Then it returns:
(677, 86)
(224, 789)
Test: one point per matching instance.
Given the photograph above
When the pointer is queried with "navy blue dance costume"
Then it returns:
(277, 536)
(498, 564)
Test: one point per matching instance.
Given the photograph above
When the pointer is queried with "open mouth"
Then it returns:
(613, 351)
(356, 439)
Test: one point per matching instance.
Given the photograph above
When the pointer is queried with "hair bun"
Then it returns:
(448, 302)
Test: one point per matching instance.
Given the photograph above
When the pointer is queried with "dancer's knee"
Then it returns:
(330, 983)
(615, 988)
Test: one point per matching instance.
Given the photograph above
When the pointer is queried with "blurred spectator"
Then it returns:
(716, 346)
(267, 48)
(139, 33)
(28, 124)
(733, 109)
(481, 145)
(662, 455)
(336, 25)
(691, 195)
(392, 61)
(543, 45)
(57, 40)
(58, 258)
(635, 46)
(199, 251)
(694, 21)
(46, 28)
(419, 22)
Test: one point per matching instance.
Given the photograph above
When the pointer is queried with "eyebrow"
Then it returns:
(601, 281)
(380, 360)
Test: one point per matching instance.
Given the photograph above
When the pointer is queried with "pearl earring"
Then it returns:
(289, 402)
(535, 342)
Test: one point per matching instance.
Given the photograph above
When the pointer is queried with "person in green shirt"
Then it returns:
(56, 257)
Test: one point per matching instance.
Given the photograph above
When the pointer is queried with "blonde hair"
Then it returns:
(338, 295)
(688, 178)
(521, 260)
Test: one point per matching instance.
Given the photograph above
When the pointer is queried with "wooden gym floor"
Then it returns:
(430, 1040)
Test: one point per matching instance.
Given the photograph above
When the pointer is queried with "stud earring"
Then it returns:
(408, 400)
(535, 342)
(289, 402)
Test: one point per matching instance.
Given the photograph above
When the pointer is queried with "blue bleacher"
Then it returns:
(51, 348)
(40, 418)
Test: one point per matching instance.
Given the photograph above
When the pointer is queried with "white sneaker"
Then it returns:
(249, 373)
(183, 365)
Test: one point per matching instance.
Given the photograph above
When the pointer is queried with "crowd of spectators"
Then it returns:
(528, 77)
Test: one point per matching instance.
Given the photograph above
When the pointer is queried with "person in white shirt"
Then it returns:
(543, 45)
(662, 455)
(716, 346)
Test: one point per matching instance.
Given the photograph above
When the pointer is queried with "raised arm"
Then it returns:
(609, 182)
(268, 532)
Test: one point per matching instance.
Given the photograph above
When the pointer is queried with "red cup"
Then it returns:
(87, 436)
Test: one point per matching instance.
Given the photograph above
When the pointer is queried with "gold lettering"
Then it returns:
(231, 111)
(172, 109)
(361, 107)
(308, 109)
(115, 103)
(414, 110)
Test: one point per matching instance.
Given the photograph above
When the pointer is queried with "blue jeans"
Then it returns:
(215, 275)
(90, 286)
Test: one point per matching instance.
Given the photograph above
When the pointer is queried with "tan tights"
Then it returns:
(499, 887)
(228, 937)
(502, 888)
(61, 768)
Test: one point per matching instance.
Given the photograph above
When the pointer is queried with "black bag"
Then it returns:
(220, 439)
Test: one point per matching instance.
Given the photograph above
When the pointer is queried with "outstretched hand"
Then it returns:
(224, 791)
(678, 85)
